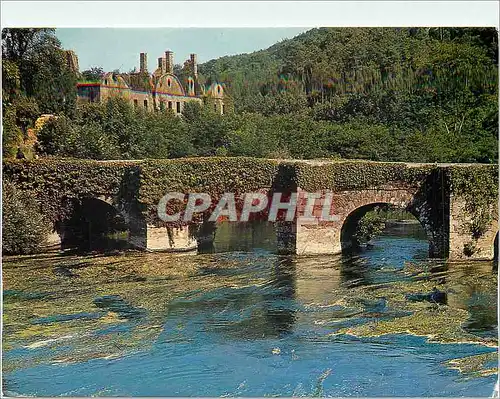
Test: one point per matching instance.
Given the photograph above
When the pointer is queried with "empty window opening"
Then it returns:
(178, 107)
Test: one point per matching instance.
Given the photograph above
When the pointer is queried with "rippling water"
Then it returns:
(386, 322)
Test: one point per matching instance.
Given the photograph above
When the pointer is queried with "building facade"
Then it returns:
(157, 91)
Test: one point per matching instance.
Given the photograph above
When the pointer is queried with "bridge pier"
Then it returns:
(286, 237)
(205, 236)
(196, 237)
(300, 238)
(170, 239)
(137, 234)
(322, 238)
(463, 244)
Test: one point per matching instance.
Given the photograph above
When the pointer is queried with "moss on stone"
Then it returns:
(60, 183)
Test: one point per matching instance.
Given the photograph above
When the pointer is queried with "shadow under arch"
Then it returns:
(351, 222)
(94, 225)
(281, 319)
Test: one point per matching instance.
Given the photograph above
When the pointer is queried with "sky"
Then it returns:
(119, 48)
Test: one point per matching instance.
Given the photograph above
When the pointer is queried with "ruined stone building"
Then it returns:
(159, 90)
(72, 60)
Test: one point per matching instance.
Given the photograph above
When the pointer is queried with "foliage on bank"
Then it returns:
(24, 228)
(385, 94)
(36, 80)
(369, 226)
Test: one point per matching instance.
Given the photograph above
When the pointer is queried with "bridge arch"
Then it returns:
(351, 222)
(95, 223)
(360, 202)
(350, 206)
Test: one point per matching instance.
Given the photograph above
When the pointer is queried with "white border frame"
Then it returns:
(248, 13)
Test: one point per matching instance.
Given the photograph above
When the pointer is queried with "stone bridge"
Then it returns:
(456, 204)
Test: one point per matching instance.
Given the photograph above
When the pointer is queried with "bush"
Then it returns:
(369, 226)
(24, 228)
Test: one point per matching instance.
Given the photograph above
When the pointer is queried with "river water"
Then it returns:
(245, 322)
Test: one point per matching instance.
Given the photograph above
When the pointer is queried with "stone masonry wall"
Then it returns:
(462, 244)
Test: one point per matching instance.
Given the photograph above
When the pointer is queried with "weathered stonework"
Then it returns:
(134, 188)
(205, 235)
(349, 206)
(286, 237)
(53, 241)
(160, 91)
(170, 239)
(317, 239)
(463, 245)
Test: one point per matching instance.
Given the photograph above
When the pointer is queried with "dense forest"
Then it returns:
(385, 94)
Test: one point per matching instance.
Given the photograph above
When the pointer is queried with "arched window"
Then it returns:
(169, 82)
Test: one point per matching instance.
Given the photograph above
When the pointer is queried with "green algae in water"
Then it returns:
(133, 295)
(475, 366)
(442, 323)
(114, 305)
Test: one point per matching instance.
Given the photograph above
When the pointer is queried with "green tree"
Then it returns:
(43, 70)
(369, 226)
(208, 128)
(93, 74)
(24, 229)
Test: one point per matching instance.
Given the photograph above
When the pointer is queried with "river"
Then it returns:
(246, 322)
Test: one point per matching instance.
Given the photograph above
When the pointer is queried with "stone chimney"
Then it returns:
(72, 61)
(194, 65)
(169, 57)
(162, 65)
(143, 64)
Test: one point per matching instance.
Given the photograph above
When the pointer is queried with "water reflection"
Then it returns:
(256, 311)
(279, 301)
(246, 237)
(467, 291)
